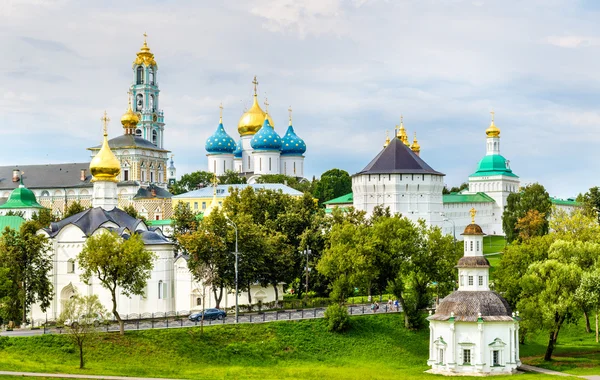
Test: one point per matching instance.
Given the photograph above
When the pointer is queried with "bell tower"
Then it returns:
(145, 97)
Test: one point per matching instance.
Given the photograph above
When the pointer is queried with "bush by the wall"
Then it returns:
(337, 318)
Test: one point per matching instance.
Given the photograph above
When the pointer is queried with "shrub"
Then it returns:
(337, 318)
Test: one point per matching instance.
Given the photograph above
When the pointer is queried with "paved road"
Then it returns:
(69, 376)
(173, 322)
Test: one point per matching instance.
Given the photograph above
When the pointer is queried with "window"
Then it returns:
(496, 357)
(477, 246)
(70, 266)
(151, 176)
(198, 301)
(151, 74)
(195, 205)
(152, 102)
(165, 293)
(140, 75)
(466, 356)
(138, 132)
(470, 280)
(480, 280)
(157, 217)
(270, 164)
(462, 280)
(441, 356)
(139, 102)
(160, 289)
(143, 176)
(125, 175)
(260, 164)
(466, 245)
(154, 138)
(471, 245)
(45, 193)
(203, 205)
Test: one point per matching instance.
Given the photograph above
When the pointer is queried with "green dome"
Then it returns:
(21, 197)
(494, 164)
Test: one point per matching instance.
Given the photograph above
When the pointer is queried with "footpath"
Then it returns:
(530, 368)
(69, 376)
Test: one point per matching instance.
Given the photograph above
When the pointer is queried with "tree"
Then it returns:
(184, 221)
(532, 197)
(116, 262)
(43, 218)
(293, 182)
(231, 178)
(588, 293)
(455, 189)
(591, 202)
(530, 225)
(81, 312)
(25, 254)
(191, 181)
(74, 208)
(131, 211)
(332, 184)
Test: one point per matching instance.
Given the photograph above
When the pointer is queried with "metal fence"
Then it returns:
(180, 319)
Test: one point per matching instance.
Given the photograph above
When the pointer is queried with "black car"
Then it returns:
(209, 314)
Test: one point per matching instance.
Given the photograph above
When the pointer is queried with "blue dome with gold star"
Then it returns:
(291, 144)
(266, 138)
(237, 153)
(220, 142)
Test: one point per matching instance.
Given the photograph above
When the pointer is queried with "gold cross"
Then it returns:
(290, 112)
(129, 95)
(473, 212)
(145, 36)
(255, 84)
(105, 121)
(266, 105)
(492, 113)
(221, 110)
(401, 119)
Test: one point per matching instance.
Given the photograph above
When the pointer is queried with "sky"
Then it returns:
(348, 69)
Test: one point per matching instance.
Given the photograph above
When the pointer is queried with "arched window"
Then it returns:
(139, 102)
(45, 193)
(152, 102)
(140, 75)
(151, 75)
(198, 301)
(160, 289)
(154, 137)
(70, 266)
(138, 132)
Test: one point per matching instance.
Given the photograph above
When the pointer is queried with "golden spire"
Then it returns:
(145, 56)
(266, 106)
(252, 120)
(221, 113)
(290, 113)
(387, 139)
(415, 147)
(492, 131)
(105, 166)
(130, 119)
(255, 82)
(402, 132)
(473, 212)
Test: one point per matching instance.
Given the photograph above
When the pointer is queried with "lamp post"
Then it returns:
(307, 252)
(236, 267)
(446, 219)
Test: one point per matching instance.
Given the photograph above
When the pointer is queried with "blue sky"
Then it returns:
(347, 68)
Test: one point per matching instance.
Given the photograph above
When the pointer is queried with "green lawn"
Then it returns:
(492, 244)
(377, 347)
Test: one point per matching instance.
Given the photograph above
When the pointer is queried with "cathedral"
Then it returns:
(260, 149)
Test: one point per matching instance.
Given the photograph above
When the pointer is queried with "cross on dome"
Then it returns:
(473, 212)
(255, 82)
(105, 119)
(290, 113)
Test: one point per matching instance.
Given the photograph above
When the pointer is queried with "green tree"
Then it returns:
(43, 218)
(191, 181)
(25, 255)
(332, 184)
(184, 221)
(74, 208)
(117, 263)
(131, 211)
(293, 182)
(591, 202)
(532, 197)
(232, 178)
(81, 312)
(588, 293)
(5, 293)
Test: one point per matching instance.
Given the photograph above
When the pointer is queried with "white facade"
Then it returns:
(292, 166)
(220, 163)
(105, 195)
(266, 162)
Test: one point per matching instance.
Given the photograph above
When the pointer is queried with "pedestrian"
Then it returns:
(389, 305)
(373, 307)
(376, 306)
(396, 306)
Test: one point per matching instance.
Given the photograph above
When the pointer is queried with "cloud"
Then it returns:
(573, 42)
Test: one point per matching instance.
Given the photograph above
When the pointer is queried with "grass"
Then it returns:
(493, 244)
(377, 347)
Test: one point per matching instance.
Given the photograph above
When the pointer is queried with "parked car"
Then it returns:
(95, 319)
(209, 314)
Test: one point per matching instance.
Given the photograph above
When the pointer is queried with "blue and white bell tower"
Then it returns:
(145, 97)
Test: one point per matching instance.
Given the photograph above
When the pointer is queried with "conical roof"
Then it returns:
(220, 142)
(266, 138)
(21, 197)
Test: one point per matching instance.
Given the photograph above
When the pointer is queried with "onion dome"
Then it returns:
(291, 144)
(237, 153)
(145, 56)
(401, 133)
(492, 131)
(387, 140)
(220, 142)
(266, 138)
(415, 147)
(252, 120)
(105, 166)
(129, 120)
(21, 197)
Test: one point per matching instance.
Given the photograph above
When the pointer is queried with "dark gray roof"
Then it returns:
(397, 158)
(130, 141)
(152, 191)
(466, 306)
(473, 262)
(91, 219)
(46, 176)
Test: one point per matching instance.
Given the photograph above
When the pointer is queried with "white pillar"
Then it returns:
(105, 195)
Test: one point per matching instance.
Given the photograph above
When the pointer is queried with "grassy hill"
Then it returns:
(377, 347)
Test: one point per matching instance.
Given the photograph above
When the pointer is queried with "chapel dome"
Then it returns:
(492, 130)
(105, 166)
(291, 144)
(237, 153)
(473, 229)
(21, 197)
(494, 164)
(144, 56)
(266, 138)
(252, 120)
(468, 305)
(220, 142)
(129, 119)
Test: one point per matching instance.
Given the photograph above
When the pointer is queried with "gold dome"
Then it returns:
(401, 132)
(129, 119)
(253, 119)
(105, 166)
(415, 147)
(492, 131)
(145, 56)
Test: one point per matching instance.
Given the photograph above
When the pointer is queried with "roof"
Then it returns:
(151, 192)
(473, 262)
(493, 164)
(466, 306)
(47, 176)
(223, 190)
(92, 219)
(348, 198)
(162, 222)
(473, 229)
(330, 210)
(11, 221)
(21, 197)
(397, 158)
(467, 198)
(130, 141)
(565, 202)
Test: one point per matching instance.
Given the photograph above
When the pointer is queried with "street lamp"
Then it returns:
(236, 267)
(307, 252)
(446, 219)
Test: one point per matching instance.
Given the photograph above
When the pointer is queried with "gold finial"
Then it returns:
(221, 113)
(290, 112)
(492, 113)
(129, 95)
(255, 82)
(387, 139)
(105, 119)
(473, 212)
(492, 130)
(266, 105)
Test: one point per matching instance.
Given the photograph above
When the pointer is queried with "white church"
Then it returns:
(171, 286)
